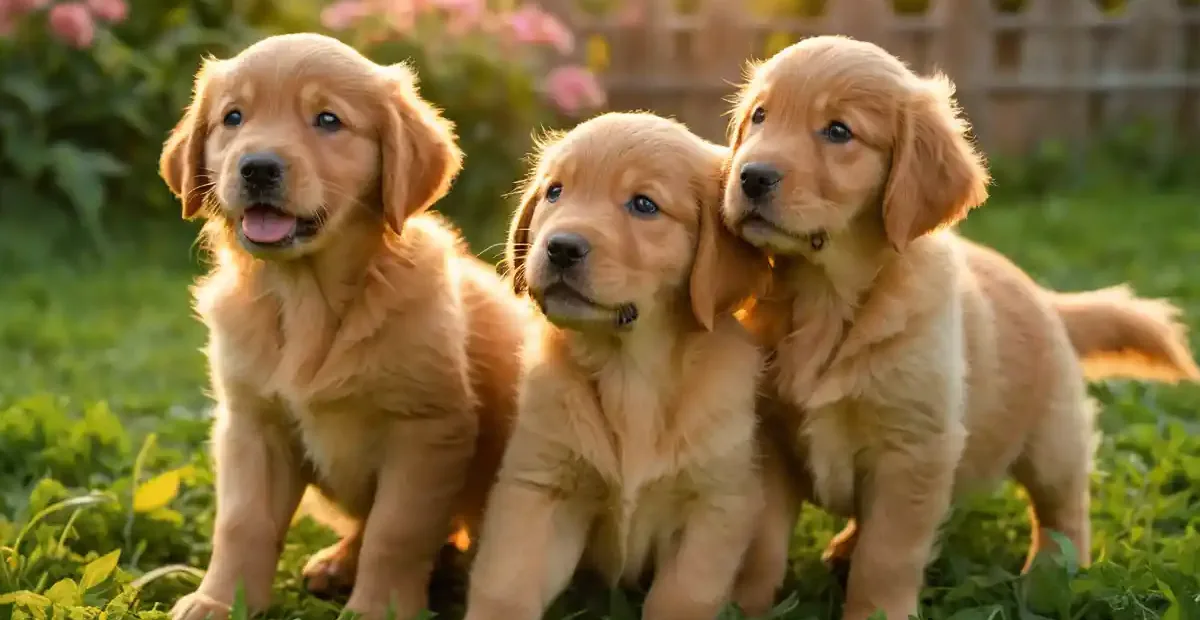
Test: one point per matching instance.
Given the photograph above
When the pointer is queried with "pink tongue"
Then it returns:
(267, 225)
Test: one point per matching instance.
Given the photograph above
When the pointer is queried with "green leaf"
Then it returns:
(64, 592)
(986, 612)
(157, 491)
(24, 147)
(24, 598)
(82, 180)
(105, 164)
(29, 91)
(1067, 551)
(35, 604)
(239, 610)
(80, 502)
(784, 608)
(99, 569)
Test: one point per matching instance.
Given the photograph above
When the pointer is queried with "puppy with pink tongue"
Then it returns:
(268, 226)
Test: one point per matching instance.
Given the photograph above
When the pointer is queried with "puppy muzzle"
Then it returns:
(762, 232)
(565, 306)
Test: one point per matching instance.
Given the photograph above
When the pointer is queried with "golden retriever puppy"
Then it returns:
(353, 345)
(634, 450)
(916, 364)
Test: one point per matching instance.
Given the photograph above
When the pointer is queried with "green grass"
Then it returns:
(103, 406)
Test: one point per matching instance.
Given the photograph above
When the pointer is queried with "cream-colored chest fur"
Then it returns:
(897, 382)
(323, 374)
(663, 442)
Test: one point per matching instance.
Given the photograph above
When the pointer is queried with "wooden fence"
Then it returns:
(1026, 70)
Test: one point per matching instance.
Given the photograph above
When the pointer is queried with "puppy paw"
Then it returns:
(199, 606)
(330, 571)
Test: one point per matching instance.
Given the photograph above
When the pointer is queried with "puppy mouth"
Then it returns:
(567, 307)
(767, 235)
(266, 225)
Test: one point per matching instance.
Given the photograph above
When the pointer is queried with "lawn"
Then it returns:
(104, 475)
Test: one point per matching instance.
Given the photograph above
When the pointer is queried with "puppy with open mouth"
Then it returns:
(635, 451)
(356, 349)
(912, 363)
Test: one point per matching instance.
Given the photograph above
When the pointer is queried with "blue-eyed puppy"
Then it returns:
(635, 449)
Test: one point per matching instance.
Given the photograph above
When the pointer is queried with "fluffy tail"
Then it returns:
(1118, 334)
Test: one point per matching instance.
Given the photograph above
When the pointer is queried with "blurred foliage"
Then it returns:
(84, 127)
(1144, 154)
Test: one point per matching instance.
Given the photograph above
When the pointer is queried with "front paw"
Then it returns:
(200, 606)
(331, 570)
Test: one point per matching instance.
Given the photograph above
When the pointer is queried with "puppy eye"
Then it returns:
(233, 118)
(553, 192)
(328, 121)
(758, 115)
(641, 205)
(837, 132)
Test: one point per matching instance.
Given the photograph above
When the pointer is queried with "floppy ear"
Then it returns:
(726, 270)
(420, 155)
(936, 175)
(181, 163)
(518, 235)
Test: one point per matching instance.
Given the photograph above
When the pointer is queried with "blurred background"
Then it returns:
(1088, 111)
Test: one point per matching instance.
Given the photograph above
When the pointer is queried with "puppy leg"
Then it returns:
(259, 482)
(905, 503)
(531, 544)
(699, 579)
(410, 519)
(1055, 470)
(766, 564)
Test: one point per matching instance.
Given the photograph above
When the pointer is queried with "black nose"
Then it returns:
(758, 179)
(261, 170)
(566, 249)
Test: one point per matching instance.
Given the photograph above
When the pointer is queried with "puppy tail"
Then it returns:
(1118, 334)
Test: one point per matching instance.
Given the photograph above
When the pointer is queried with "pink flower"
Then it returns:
(530, 24)
(112, 11)
(573, 89)
(72, 24)
(344, 14)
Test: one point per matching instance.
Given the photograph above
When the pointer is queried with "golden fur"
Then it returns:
(371, 358)
(911, 363)
(634, 452)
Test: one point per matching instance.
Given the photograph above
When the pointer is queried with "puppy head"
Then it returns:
(299, 135)
(831, 129)
(620, 218)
